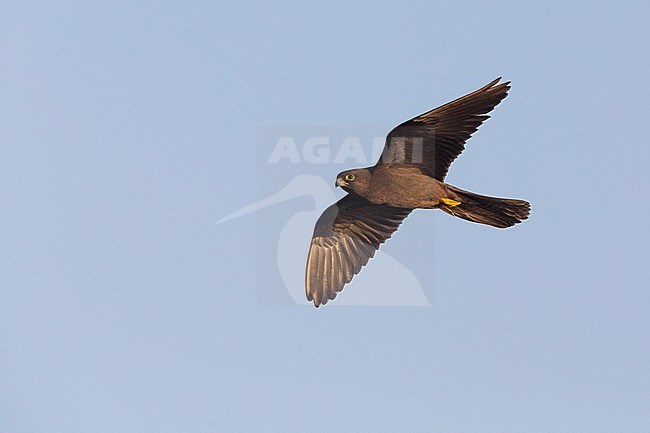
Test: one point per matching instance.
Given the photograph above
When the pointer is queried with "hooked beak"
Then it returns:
(341, 182)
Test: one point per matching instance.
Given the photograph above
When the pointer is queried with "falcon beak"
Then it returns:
(341, 182)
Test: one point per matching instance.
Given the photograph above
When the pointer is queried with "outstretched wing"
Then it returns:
(346, 236)
(431, 141)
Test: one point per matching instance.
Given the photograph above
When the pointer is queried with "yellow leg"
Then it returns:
(449, 202)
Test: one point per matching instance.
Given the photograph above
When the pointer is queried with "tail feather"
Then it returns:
(493, 211)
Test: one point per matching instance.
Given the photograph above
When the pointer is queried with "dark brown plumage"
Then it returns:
(409, 175)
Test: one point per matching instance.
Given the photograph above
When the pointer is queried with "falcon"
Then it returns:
(409, 175)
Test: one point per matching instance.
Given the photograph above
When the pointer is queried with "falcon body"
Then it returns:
(400, 186)
(409, 175)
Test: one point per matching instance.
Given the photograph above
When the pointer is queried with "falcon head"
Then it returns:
(357, 180)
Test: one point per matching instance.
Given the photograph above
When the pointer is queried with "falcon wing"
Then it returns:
(346, 236)
(433, 140)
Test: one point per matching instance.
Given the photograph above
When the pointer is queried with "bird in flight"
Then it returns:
(409, 175)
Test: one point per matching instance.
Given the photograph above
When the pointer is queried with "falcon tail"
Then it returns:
(493, 211)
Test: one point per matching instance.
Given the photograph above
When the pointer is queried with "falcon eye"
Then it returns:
(349, 177)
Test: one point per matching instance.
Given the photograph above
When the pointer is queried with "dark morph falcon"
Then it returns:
(409, 175)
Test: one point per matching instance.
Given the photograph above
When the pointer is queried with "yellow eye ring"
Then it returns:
(349, 177)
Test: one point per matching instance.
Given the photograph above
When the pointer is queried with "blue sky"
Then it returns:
(129, 128)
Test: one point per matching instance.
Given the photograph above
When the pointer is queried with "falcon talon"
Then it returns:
(449, 202)
(409, 175)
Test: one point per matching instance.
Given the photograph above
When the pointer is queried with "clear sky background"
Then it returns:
(128, 128)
